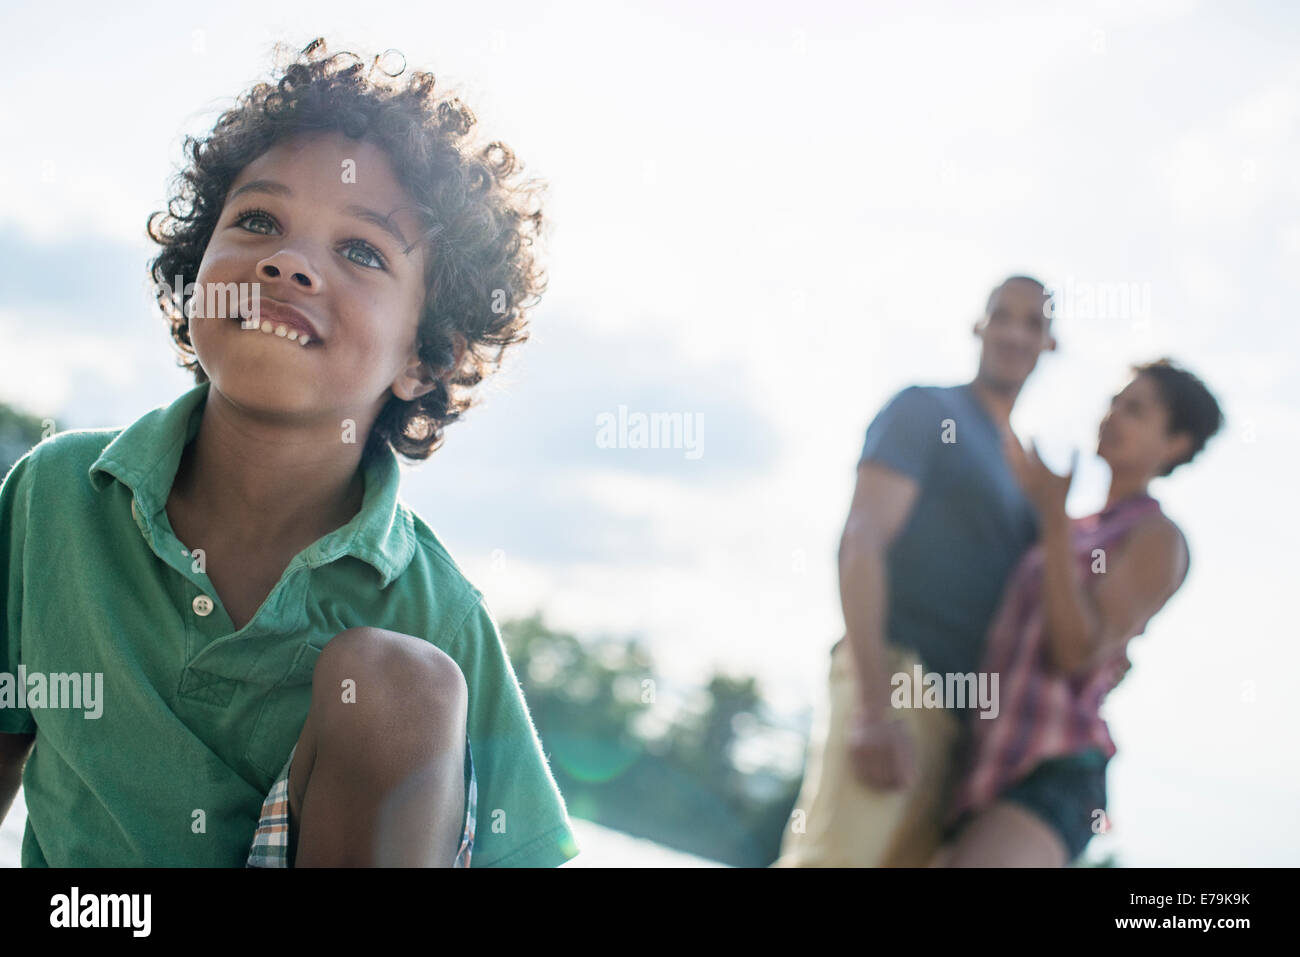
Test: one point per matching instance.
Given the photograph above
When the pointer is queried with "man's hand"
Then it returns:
(880, 751)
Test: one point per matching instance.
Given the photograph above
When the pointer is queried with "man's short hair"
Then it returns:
(988, 306)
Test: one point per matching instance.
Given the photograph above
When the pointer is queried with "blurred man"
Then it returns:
(937, 524)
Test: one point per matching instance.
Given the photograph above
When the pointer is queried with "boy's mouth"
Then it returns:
(279, 330)
(283, 320)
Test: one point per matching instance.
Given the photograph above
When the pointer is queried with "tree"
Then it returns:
(19, 431)
(597, 707)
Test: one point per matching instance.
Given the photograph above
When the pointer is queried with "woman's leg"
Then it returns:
(1004, 835)
(378, 777)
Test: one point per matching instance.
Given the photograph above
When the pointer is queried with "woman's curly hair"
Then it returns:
(481, 273)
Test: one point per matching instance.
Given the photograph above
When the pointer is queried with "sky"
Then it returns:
(770, 219)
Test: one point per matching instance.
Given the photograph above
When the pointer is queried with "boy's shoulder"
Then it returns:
(435, 569)
(70, 453)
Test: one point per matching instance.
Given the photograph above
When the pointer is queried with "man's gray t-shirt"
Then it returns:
(970, 526)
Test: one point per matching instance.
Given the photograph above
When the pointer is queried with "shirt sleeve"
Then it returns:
(15, 500)
(904, 434)
(521, 818)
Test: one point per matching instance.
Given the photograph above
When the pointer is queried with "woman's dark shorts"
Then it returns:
(1066, 793)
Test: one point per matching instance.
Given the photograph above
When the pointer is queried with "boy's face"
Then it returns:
(351, 278)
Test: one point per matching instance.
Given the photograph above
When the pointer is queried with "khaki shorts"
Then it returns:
(840, 822)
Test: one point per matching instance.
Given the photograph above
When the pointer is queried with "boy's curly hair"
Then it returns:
(481, 273)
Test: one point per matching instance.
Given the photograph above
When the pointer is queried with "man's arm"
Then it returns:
(14, 749)
(879, 747)
(882, 502)
(896, 456)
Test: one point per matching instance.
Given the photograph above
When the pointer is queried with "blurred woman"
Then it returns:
(1034, 787)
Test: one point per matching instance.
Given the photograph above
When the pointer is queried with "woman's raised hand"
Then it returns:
(1042, 486)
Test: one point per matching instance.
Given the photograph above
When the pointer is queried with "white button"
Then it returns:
(202, 606)
(134, 514)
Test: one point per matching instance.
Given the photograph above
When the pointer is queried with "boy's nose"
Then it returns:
(291, 264)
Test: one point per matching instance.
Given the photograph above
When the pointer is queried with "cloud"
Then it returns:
(524, 470)
(90, 284)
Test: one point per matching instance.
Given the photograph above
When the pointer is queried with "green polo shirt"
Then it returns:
(196, 719)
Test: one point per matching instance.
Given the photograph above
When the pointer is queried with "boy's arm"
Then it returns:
(522, 817)
(15, 723)
(14, 749)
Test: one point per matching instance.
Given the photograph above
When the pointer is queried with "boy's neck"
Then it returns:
(261, 486)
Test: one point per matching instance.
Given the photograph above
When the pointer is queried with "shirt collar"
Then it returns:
(146, 454)
(968, 390)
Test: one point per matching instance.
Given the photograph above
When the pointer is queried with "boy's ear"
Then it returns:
(413, 384)
(458, 344)
(416, 381)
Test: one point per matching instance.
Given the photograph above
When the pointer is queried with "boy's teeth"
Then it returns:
(285, 332)
(282, 330)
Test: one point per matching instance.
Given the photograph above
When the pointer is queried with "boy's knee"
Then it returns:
(383, 682)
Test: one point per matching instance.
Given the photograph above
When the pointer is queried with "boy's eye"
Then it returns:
(366, 247)
(252, 215)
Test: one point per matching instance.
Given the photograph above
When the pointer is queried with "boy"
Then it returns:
(286, 650)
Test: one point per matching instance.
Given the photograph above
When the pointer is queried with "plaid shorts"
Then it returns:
(270, 846)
